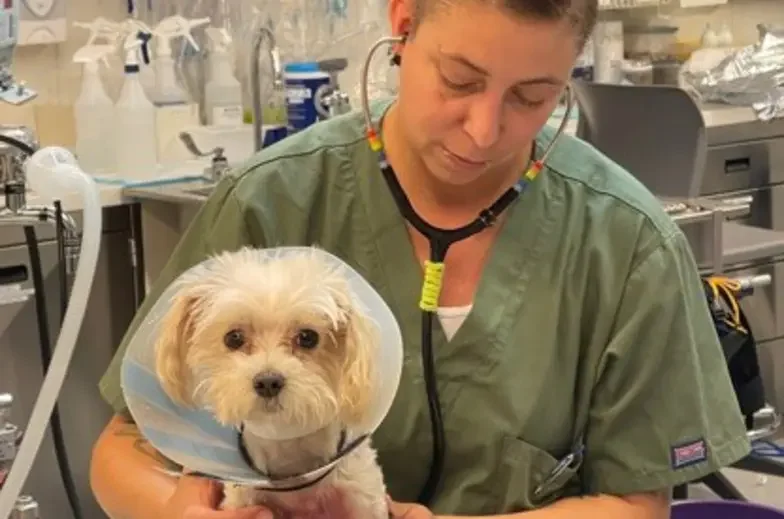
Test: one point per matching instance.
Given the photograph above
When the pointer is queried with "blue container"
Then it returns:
(273, 134)
(302, 82)
(723, 510)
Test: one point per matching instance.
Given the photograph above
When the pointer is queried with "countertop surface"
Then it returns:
(727, 115)
(114, 195)
(714, 115)
(193, 192)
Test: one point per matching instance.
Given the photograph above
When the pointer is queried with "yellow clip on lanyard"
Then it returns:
(431, 288)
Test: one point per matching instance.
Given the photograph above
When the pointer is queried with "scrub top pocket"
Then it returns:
(527, 477)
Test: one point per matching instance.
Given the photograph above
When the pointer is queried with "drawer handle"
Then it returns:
(11, 291)
(13, 275)
(737, 165)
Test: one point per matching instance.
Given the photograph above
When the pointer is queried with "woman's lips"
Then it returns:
(464, 161)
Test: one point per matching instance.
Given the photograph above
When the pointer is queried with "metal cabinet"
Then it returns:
(83, 413)
(743, 165)
(756, 167)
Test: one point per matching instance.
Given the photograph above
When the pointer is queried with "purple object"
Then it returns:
(723, 510)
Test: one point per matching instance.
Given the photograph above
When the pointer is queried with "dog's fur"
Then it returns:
(261, 309)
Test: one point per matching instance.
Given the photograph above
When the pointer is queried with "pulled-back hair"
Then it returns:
(581, 14)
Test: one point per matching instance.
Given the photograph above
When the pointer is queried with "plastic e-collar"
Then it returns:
(194, 438)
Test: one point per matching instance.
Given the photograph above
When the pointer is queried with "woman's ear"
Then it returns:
(401, 17)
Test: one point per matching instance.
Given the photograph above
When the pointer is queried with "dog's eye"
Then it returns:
(307, 338)
(234, 340)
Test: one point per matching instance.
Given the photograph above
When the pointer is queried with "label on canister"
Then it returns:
(228, 115)
(302, 82)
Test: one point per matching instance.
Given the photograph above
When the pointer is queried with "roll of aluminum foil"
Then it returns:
(752, 76)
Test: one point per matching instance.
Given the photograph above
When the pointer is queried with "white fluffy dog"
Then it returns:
(279, 345)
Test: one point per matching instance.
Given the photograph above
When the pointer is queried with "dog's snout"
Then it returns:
(268, 385)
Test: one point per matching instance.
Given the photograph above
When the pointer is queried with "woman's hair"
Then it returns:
(581, 14)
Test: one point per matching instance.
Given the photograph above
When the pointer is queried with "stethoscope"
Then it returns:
(440, 240)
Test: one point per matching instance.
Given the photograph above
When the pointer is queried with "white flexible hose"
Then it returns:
(52, 172)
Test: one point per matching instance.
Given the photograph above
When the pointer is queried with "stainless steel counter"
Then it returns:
(180, 193)
(726, 124)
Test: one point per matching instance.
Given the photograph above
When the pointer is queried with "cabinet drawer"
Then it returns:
(743, 166)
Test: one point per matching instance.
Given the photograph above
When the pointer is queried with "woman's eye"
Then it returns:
(234, 340)
(460, 86)
(527, 101)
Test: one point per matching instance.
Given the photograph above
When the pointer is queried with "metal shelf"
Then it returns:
(712, 213)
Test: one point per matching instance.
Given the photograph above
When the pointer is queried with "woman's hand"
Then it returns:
(199, 498)
(408, 511)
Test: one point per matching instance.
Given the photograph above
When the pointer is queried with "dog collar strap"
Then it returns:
(307, 479)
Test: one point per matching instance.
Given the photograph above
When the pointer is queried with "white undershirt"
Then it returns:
(452, 318)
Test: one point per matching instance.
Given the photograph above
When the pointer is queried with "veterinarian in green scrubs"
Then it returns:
(576, 325)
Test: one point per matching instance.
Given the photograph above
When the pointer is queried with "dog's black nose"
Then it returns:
(268, 385)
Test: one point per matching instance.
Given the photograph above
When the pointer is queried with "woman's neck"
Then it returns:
(441, 204)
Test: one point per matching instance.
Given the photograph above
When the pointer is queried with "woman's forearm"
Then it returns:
(125, 475)
(640, 506)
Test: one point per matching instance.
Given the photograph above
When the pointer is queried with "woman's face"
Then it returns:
(476, 85)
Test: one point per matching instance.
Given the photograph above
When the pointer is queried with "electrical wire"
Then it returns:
(62, 270)
(730, 289)
(58, 437)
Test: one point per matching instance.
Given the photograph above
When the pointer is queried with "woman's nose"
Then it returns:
(483, 121)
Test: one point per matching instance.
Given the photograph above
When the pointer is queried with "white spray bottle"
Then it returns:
(94, 109)
(167, 89)
(174, 110)
(94, 113)
(223, 92)
(108, 32)
(131, 26)
(136, 147)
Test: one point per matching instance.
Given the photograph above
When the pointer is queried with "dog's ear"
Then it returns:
(174, 337)
(358, 378)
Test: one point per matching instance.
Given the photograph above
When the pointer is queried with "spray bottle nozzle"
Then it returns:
(145, 38)
(174, 26)
(130, 30)
(100, 27)
(133, 42)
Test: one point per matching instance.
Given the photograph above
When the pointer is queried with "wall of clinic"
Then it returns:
(48, 68)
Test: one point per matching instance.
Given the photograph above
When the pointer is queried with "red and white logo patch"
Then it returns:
(689, 454)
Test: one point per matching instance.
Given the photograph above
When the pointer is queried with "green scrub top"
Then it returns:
(589, 326)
